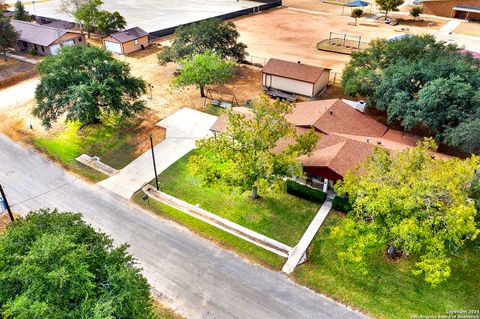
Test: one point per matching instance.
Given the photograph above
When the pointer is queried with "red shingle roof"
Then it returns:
(295, 71)
(346, 136)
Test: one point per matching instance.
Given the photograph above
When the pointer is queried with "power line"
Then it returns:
(44, 193)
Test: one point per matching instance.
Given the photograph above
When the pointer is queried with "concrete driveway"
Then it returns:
(192, 275)
(183, 127)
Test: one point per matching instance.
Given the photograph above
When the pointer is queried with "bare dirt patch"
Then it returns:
(13, 71)
(293, 35)
(468, 28)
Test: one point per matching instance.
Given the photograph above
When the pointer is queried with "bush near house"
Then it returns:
(302, 191)
(341, 204)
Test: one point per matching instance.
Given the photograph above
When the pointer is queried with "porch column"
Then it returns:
(325, 185)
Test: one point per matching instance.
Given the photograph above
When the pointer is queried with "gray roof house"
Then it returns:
(43, 39)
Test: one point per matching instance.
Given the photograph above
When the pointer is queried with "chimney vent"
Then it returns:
(368, 140)
(331, 112)
(298, 62)
(379, 142)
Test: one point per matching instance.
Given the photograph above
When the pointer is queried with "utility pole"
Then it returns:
(5, 201)
(154, 164)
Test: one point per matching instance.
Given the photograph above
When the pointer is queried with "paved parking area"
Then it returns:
(154, 15)
(183, 127)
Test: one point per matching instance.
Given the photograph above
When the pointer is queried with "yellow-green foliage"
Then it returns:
(412, 202)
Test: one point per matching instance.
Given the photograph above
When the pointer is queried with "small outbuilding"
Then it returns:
(296, 78)
(42, 39)
(127, 41)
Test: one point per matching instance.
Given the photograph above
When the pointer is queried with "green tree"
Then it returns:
(86, 82)
(419, 81)
(20, 13)
(70, 6)
(416, 11)
(204, 69)
(411, 203)
(87, 15)
(53, 265)
(8, 35)
(109, 22)
(247, 155)
(214, 35)
(356, 13)
(388, 5)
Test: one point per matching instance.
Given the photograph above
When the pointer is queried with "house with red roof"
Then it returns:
(346, 137)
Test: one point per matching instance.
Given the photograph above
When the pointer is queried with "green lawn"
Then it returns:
(390, 290)
(110, 141)
(282, 217)
(222, 238)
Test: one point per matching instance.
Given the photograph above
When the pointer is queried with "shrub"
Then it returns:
(341, 204)
(302, 191)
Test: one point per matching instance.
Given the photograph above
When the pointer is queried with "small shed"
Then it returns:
(127, 41)
(296, 78)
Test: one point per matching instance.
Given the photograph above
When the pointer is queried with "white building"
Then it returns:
(296, 78)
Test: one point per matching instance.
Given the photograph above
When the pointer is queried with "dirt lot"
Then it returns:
(282, 35)
(319, 5)
(468, 28)
(13, 71)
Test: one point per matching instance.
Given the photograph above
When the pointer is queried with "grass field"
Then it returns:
(282, 217)
(116, 145)
(390, 290)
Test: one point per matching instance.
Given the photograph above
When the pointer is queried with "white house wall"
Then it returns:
(289, 85)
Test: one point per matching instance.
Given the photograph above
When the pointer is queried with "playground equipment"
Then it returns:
(220, 99)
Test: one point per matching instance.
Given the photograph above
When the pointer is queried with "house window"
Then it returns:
(43, 49)
(80, 39)
(136, 42)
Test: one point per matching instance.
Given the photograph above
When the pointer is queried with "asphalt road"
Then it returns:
(194, 276)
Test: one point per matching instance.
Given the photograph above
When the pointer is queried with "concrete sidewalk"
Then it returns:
(22, 58)
(183, 127)
(299, 251)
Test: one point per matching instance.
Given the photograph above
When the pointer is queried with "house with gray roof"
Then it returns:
(126, 41)
(43, 39)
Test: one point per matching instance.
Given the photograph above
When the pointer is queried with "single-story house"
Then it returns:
(346, 137)
(460, 9)
(43, 39)
(296, 78)
(127, 41)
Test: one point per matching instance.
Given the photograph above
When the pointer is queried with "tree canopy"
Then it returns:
(246, 155)
(203, 69)
(409, 203)
(416, 11)
(102, 21)
(85, 82)
(389, 5)
(8, 35)
(109, 22)
(214, 34)
(20, 13)
(53, 265)
(356, 13)
(421, 82)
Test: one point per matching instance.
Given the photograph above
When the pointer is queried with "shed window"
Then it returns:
(80, 39)
(136, 42)
(43, 49)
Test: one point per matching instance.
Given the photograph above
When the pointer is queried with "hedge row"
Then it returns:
(341, 204)
(306, 192)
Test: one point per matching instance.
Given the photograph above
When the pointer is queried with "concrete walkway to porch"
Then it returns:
(299, 252)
